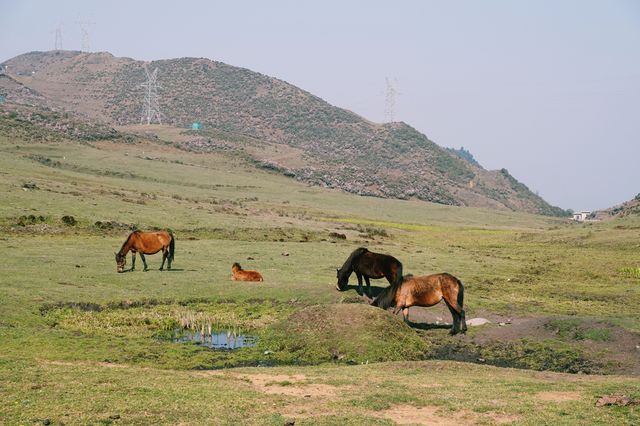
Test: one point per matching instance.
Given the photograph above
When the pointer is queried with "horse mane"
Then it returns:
(355, 254)
(127, 240)
(386, 298)
(236, 264)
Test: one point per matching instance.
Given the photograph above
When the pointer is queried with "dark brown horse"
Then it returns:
(369, 265)
(427, 290)
(146, 243)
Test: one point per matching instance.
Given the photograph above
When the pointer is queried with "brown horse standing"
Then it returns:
(369, 265)
(239, 274)
(146, 243)
(427, 290)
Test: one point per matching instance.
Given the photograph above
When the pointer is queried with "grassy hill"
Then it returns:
(290, 130)
(81, 344)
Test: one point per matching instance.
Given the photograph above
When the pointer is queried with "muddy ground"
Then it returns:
(620, 352)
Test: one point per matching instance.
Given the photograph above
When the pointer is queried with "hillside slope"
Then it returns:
(628, 208)
(291, 130)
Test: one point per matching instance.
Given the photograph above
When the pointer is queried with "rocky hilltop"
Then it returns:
(280, 126)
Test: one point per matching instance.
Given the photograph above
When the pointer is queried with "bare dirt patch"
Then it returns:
(407, 414)
(433, 416)
(308, 399)
(558, 396)
(81, 363)
(307, 409)
(290, 385)
(111, 365)
(209, 373)
(503, 418)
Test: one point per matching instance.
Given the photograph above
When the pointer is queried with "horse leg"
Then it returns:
(456, 322)
(133, 260)
(463, 320)
(164, 257)
(456, 317)
(366, 280)
(146, 268)
(405, 314)
(454, 303)
(360, 291)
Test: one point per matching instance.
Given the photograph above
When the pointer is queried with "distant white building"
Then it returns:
(581, 216)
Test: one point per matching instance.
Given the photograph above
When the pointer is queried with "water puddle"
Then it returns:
(220, 339)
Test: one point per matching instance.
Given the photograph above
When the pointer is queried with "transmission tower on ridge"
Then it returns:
(58, 38)
(390, 100)
(84, 35)
(151, 109)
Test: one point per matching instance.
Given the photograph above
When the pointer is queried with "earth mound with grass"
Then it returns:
(353, 333)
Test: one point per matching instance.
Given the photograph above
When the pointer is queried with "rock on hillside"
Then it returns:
(290, 130)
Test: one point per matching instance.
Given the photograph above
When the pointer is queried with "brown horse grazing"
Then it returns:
(369, 265)
(239, 274)
(427, 290)
(146, 243)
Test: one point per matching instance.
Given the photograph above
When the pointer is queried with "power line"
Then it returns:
(151, 108)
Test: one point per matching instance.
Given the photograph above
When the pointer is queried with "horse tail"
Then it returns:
(460, 295)
(172, 246)
(386, 298)
(460, 301)
(399, 278)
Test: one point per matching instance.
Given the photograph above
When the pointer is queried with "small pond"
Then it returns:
(217, 339)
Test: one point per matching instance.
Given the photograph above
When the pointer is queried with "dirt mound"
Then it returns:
(351, 333)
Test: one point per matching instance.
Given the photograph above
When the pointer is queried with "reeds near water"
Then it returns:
(209, 329)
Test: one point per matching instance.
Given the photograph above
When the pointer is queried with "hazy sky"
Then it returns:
(549, 90)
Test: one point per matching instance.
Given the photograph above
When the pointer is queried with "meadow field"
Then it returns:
(82, 344)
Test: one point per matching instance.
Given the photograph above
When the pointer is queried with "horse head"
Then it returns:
(343, 280)
(121, 260)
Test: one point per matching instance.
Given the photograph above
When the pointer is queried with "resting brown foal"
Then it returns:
(239, 274)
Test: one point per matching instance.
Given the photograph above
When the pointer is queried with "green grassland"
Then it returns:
(82, 344)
